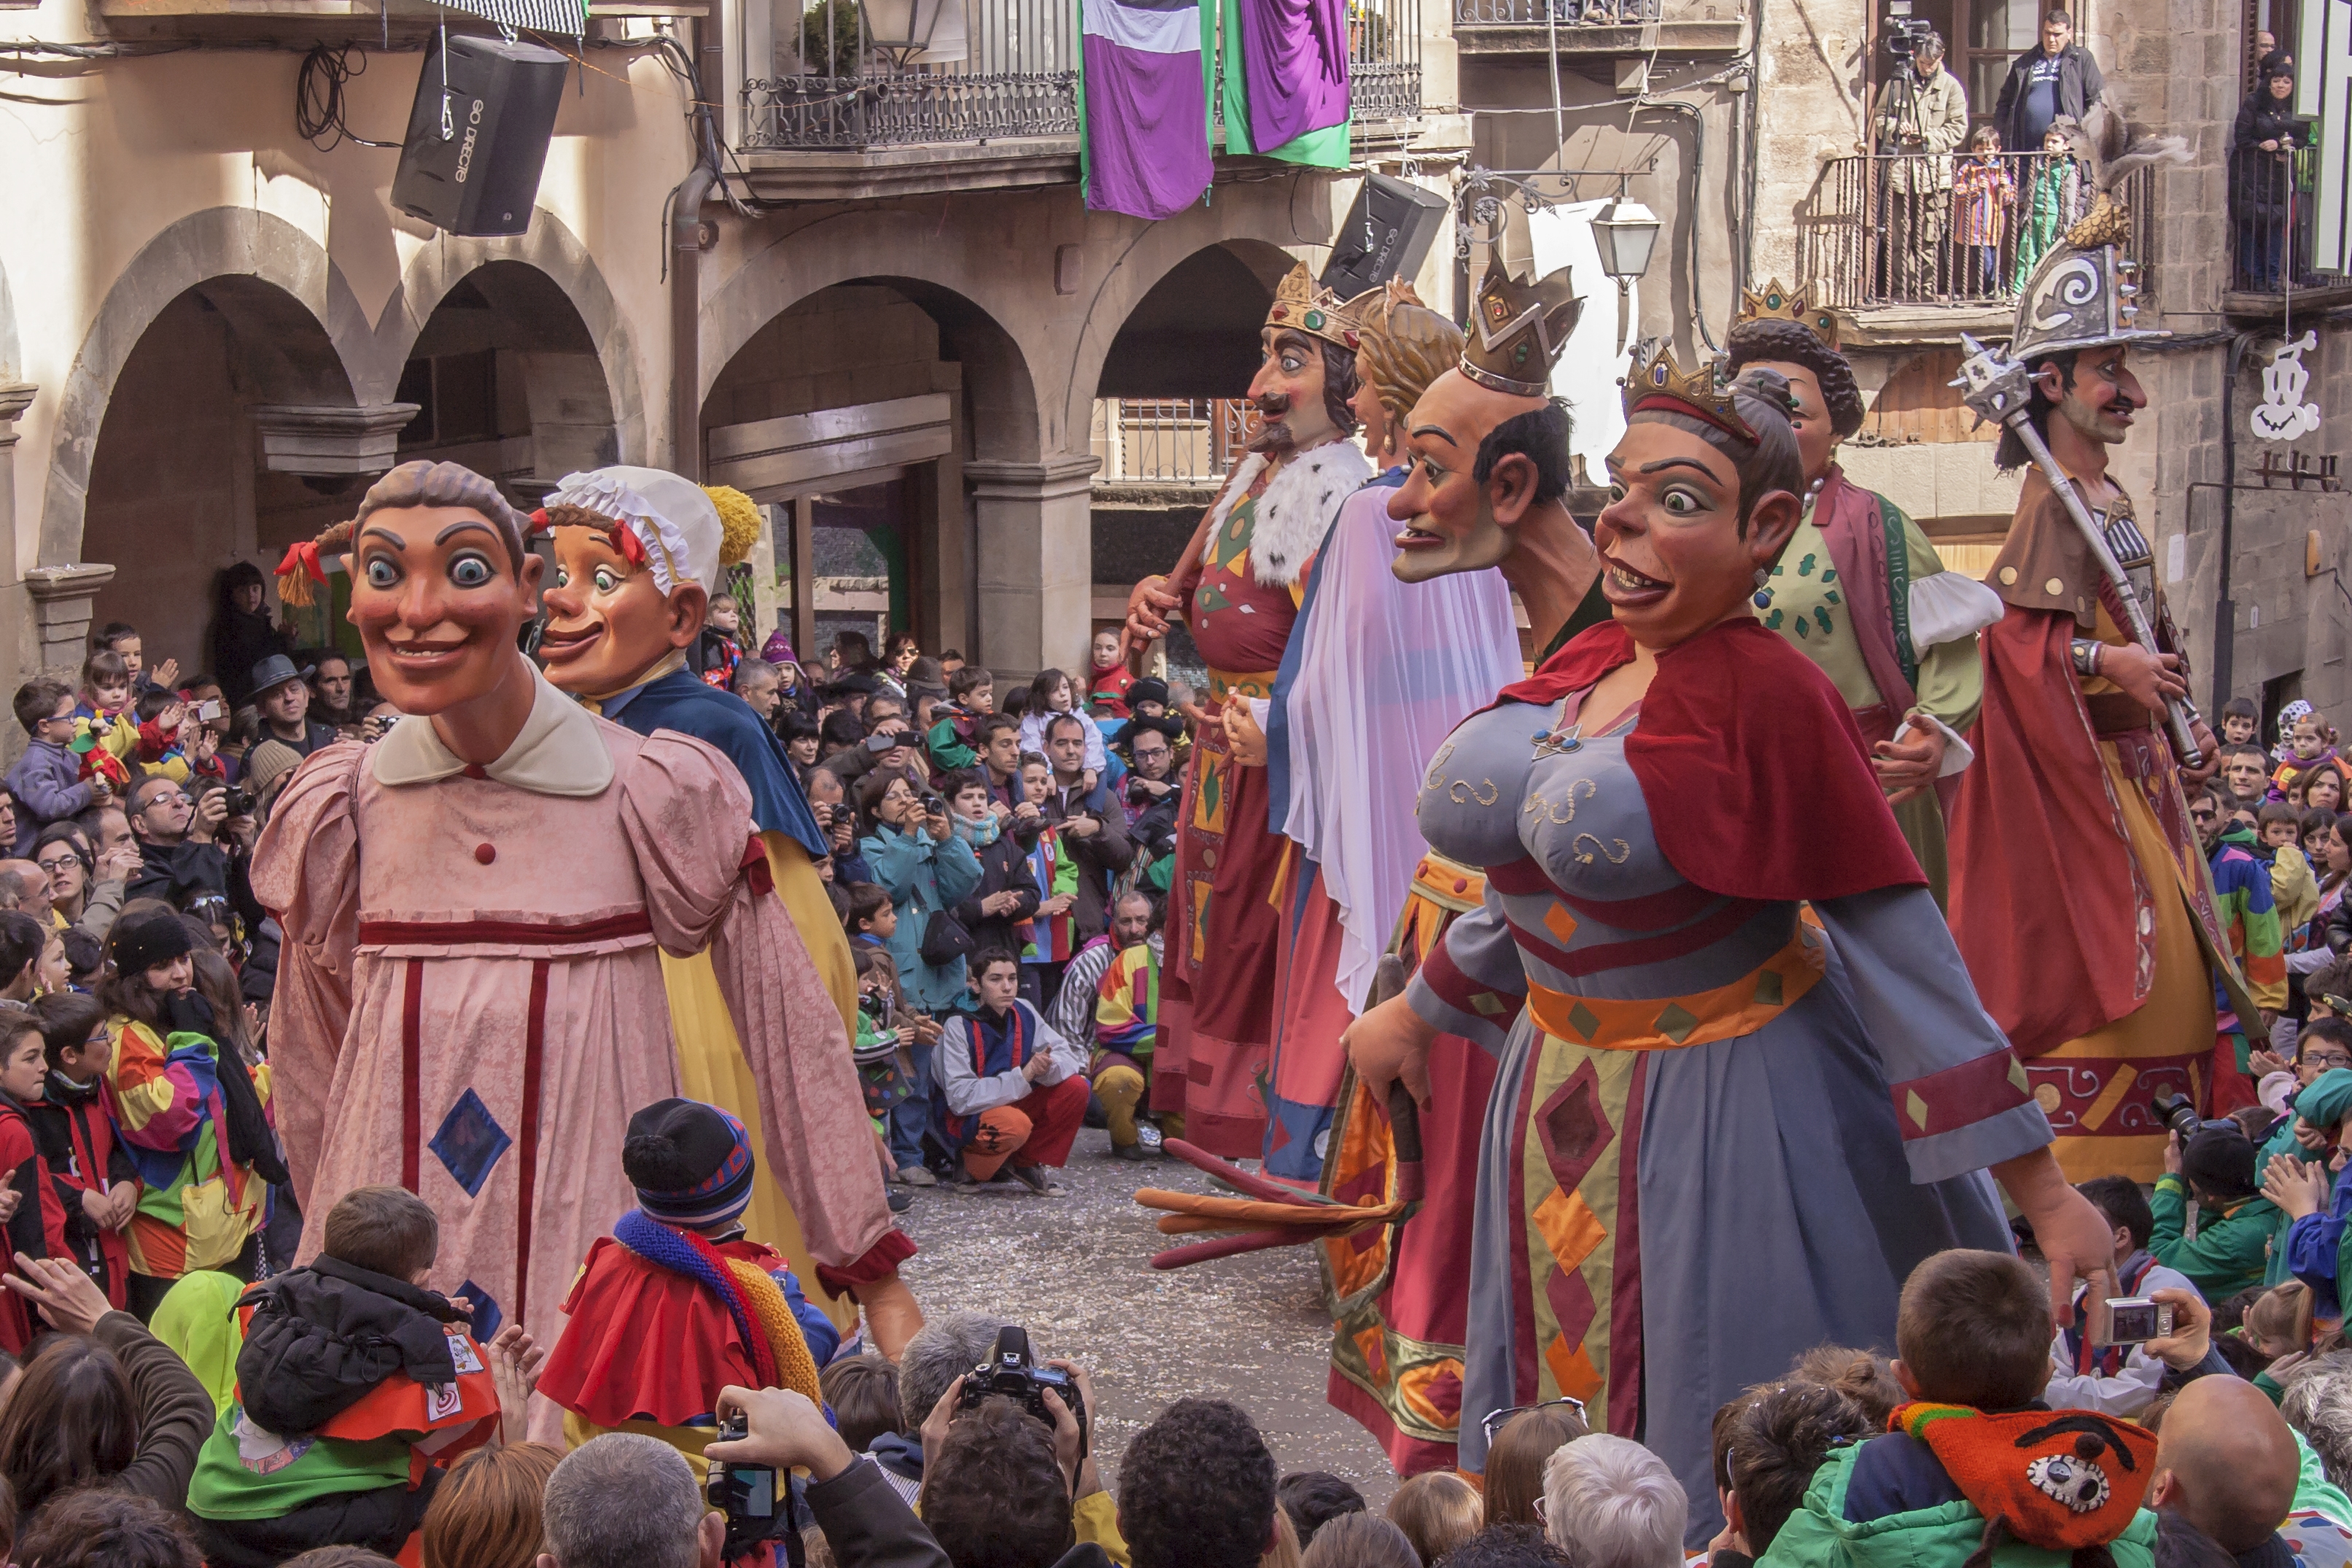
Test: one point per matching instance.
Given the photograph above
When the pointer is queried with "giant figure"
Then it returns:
(2080, 894)
(638, 552)
(1719, 1133)
(1238, 585)
(470, 1000)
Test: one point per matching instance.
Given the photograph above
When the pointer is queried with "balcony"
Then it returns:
(1614, 28)
(1883, 241)
(990, 100)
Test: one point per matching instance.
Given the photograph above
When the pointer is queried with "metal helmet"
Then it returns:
(2079, 298)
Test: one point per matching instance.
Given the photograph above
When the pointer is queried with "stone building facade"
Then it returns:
(217, 333)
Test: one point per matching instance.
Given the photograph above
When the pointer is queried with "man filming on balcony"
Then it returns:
(2059, 77)
(1922, 114)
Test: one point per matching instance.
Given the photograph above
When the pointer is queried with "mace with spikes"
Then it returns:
(2000, 389)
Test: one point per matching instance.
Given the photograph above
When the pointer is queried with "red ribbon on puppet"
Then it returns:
(620, 535)
(302, 558)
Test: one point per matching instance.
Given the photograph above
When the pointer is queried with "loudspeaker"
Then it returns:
(475, 149)
(1387, 234)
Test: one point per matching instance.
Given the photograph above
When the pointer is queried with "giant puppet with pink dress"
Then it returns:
(470, 1000)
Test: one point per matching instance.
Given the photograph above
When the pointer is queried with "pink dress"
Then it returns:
(469, 1002)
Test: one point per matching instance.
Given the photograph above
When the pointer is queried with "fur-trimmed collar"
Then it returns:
(1297, 507)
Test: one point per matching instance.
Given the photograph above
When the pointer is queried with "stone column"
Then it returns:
(1036, 563)
(64, 604)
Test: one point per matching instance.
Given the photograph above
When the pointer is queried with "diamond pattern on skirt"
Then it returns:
(486, 1313)
(470, 1143)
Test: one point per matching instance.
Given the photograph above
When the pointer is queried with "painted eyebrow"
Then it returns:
(1439, 431)
(380, 532)
(459, 527)
(1665, 463)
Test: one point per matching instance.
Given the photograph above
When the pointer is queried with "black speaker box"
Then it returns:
(1386, 235)
(500, 101)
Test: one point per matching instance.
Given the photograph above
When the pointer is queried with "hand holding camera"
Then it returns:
(778, 1428)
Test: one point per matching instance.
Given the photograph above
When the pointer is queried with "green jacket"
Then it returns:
(2231, 1251)
(1819, 1535)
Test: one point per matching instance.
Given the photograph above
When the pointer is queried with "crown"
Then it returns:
(1659, 382)
(1518, 329)
(1305, 306)
(1777, 303)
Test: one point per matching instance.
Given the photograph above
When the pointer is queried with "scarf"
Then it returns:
(771, 1335)
(2058, 1480)
(982, 834)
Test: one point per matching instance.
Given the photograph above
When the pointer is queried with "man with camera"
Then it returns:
(1921, 117)
(186, 842)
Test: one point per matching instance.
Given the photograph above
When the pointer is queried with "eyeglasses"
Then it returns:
(1496, 1419)
(2327, 1058)
(56, 863)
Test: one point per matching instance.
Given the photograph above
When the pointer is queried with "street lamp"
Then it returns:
(905, 30)
(1624, 232)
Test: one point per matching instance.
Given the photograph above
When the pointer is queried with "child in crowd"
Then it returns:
(1768, 1442)
(1051, 695)
(886, 1071)
(1974, 1456)
(2236, 1225)
(1983, 196)
(861, 1391)
(2310, 1249)
(2241, 721)
(121, 639)
(2250, 921)
(97, 1185)
(353, 1385)
(1127, 1012)
(2309, 741)
(29, 1205)
(1437, 1510)
(2054, 201)
(677, 1304)
(971, 697)
(48, 782)
(2295, 892)
(718, 648)
(1106, 693)
(1053, 931)
(2119, 1380)
(1008, 1093)
(872, 920)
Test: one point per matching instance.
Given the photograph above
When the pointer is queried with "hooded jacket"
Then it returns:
(321, 1338)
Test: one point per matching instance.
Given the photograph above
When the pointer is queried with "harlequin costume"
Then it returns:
(676, 1305)
(1863, 593)
(1659, 1223)
(2081, 897)
(352, 1389)
(1218, 989)
(682, 533)
(1376, 673)
(2252, 937)
(1126, 1013)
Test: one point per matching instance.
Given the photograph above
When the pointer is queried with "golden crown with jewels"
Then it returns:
(1659, 383)
(1777, 303)
(1303, 305)
(1518, 329)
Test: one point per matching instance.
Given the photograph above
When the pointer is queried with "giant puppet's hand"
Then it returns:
(1243, 734)
(1148, 607)
(1907, 767)
(2076, 1240)
(1389, 1043)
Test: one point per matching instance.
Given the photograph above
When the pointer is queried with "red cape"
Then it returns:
(643, 1342)
(1757, 783)
(2043, 904)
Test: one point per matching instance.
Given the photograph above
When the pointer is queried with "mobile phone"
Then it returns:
(208, 710)
(2134, 1319)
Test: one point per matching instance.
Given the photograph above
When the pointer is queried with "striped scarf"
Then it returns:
(772, 1336)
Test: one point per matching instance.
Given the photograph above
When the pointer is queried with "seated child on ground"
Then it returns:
(1976, 1465)
(675, 1304)
(2118, 1380)
(353, 1385)
(1008, 1093)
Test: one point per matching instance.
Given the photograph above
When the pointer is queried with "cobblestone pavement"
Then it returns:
(1072, 1268)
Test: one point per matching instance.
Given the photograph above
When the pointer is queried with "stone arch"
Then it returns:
(970, 308)
(272, 282)
(549, 248)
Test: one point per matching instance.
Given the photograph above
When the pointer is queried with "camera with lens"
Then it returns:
(1012, 1373)
(758, 1504)
(240, 801)
(1904, 33)
(2179, 1113)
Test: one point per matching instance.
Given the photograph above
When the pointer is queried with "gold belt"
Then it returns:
(1648, 1024)
(1224, 683)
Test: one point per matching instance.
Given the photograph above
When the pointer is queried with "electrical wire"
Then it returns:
(319, 105)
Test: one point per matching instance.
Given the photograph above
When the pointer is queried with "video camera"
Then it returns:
(1012, 1373)
(1904, 30)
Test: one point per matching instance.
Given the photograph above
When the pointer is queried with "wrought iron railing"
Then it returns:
(1384, 61)
(1566, 13)
(2272, 198)
(1169, 441)
(1916, 229)
(1019, 77)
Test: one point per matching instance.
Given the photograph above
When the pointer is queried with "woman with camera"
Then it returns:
(918, 859)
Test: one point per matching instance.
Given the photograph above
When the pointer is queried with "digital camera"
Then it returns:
(756, 1502)
(1013, 1373)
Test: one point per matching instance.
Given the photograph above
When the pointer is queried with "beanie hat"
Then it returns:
(268, 763)
(691, 1163)
(2222, 1160)
(140, 941)
(1148, 688)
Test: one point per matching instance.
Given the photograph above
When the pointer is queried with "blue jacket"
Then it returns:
(679, 701)
(48, 786)
(922, 878)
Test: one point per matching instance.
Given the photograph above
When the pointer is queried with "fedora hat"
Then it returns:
(274, 672)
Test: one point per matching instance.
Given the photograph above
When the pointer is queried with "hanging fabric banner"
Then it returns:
(1286, 87)
(567, 18)
(1142, 106)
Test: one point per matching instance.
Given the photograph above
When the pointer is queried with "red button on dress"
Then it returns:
(1461, 885)
(484, 853)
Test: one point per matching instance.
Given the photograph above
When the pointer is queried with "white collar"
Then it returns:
(558, 753)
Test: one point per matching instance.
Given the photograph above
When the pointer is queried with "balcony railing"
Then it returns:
(2272, 198)
(1916, 229)
(1566, 13)
(1169, 441)
(1019, 77)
